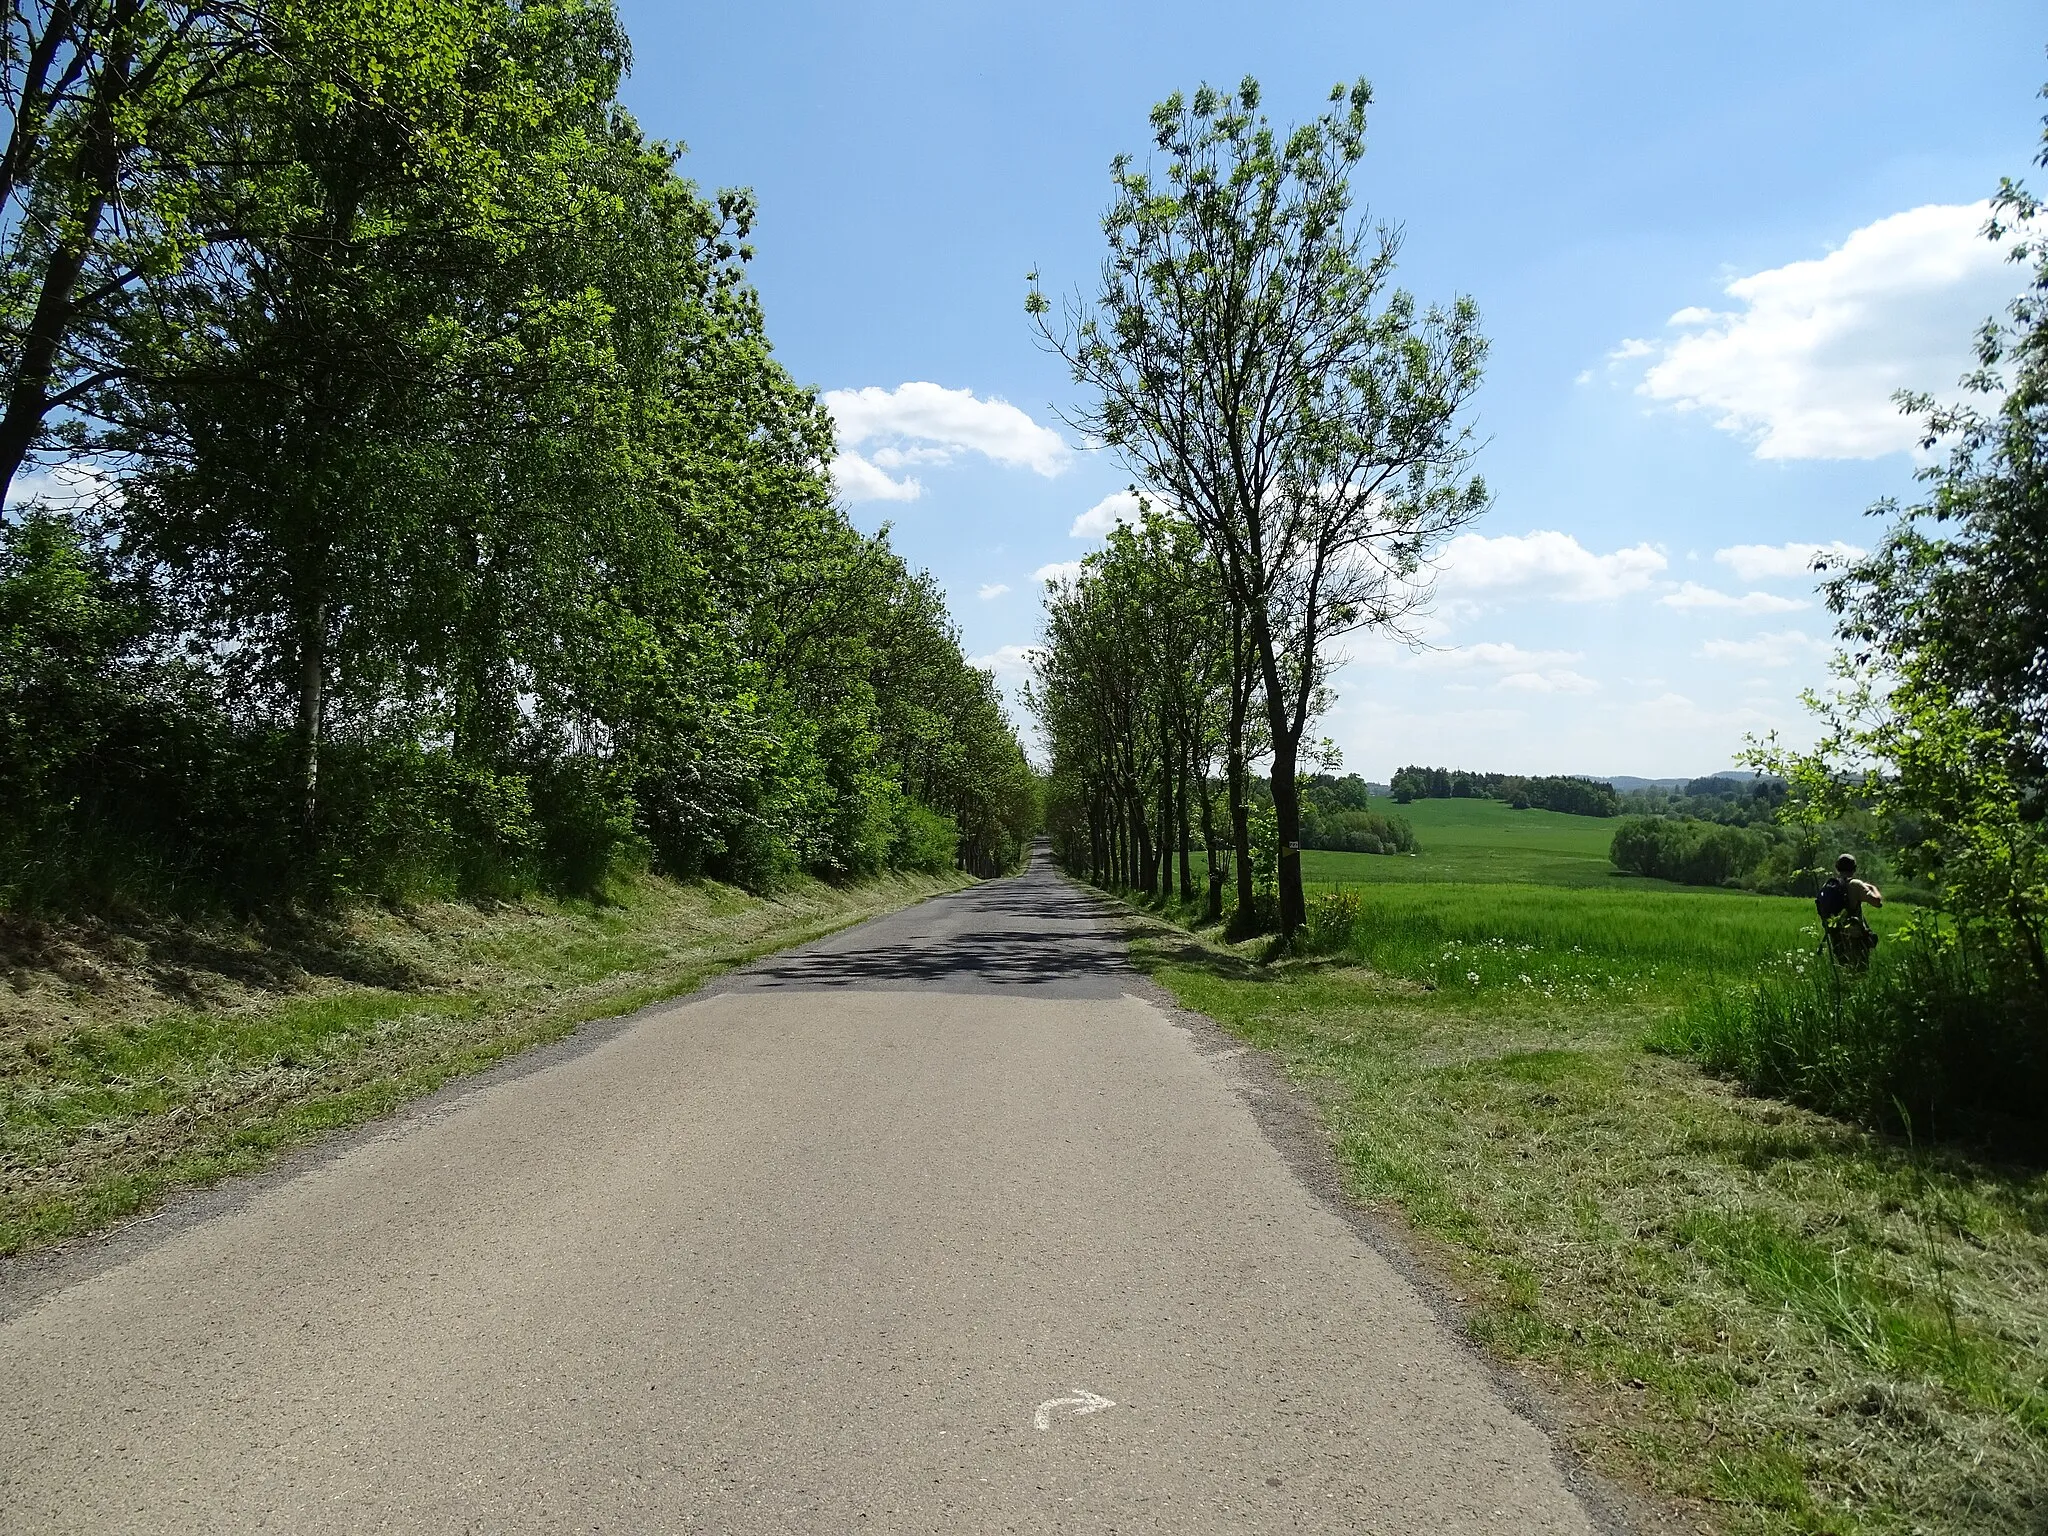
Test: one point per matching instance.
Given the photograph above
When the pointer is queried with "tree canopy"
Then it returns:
(458, 527)
(1246, 354)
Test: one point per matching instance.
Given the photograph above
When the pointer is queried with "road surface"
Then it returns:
(938, 1225)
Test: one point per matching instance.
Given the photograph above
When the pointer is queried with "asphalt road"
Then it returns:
(937, 1225)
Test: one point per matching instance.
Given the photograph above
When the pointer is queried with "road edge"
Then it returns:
(29, 1278)
(1291, 1122)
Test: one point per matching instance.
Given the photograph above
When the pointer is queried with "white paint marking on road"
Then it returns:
(1083, 1401)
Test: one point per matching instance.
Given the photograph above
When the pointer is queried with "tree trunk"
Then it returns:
(1119, 840)
(1287, 813)
(1094, 837)
(1166, 822)
(1209, 849)
(1110, 842)
(31, 104)
(1237, 771)
(1241, 839)
(1187, 873)
(1105, 838)
(486, 718)
(28, 400)
(312, 710)
(1239, 774)
(1286, 735)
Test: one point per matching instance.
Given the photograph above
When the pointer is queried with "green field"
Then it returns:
(1486, 842)
(1777, 1322)
(1529, 899)
(1482, 840)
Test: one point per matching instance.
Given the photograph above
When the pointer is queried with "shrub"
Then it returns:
(756, 857)
(1262, 917)
(1358, 832)
(1927, 1031)
(1332, 920)
(1688, 851)
(586, 827)
(925, 841)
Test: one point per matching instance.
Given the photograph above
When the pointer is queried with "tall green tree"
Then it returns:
(1940, 721)
(290, 406)
(1247, 356)
(467, 531)
(119, 126)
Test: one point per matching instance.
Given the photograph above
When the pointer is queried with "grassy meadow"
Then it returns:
(1483, 842)
(1480, 840)
(1774, 1321)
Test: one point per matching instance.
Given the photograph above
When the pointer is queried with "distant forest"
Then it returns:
(1573, 796)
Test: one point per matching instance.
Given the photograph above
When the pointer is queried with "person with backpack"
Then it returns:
(1840, 903)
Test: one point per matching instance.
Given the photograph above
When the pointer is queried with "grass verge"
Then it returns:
(134, 1063)
(1778, 1321)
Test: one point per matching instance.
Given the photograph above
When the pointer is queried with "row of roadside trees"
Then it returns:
(404, 494)
(1143, 690)
(1298, 425)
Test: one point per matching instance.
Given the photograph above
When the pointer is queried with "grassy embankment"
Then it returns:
(137, 1060)
(1781, 1321)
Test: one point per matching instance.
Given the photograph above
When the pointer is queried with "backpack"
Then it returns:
(1832, 899)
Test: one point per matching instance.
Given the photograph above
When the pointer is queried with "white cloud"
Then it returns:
(1009, 662)
(909, 458)
(1807, 365)
(992, 590)
(1095, 523)
(922, 423)
(66, 488)
(1493, 653)
(1674, 715)
(1062, 570)
(1556, 680)
(1760, 562)
(1516, 669)
(1774, 650)
(859, 480)
(1544, 564)
(1692, 595)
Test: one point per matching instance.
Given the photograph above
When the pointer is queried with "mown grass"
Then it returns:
(1778, 1320)
(107, 1103)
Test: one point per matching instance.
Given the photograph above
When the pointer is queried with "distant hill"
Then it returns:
(1625, 783)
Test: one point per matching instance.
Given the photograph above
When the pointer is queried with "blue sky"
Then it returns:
(1707, 243)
